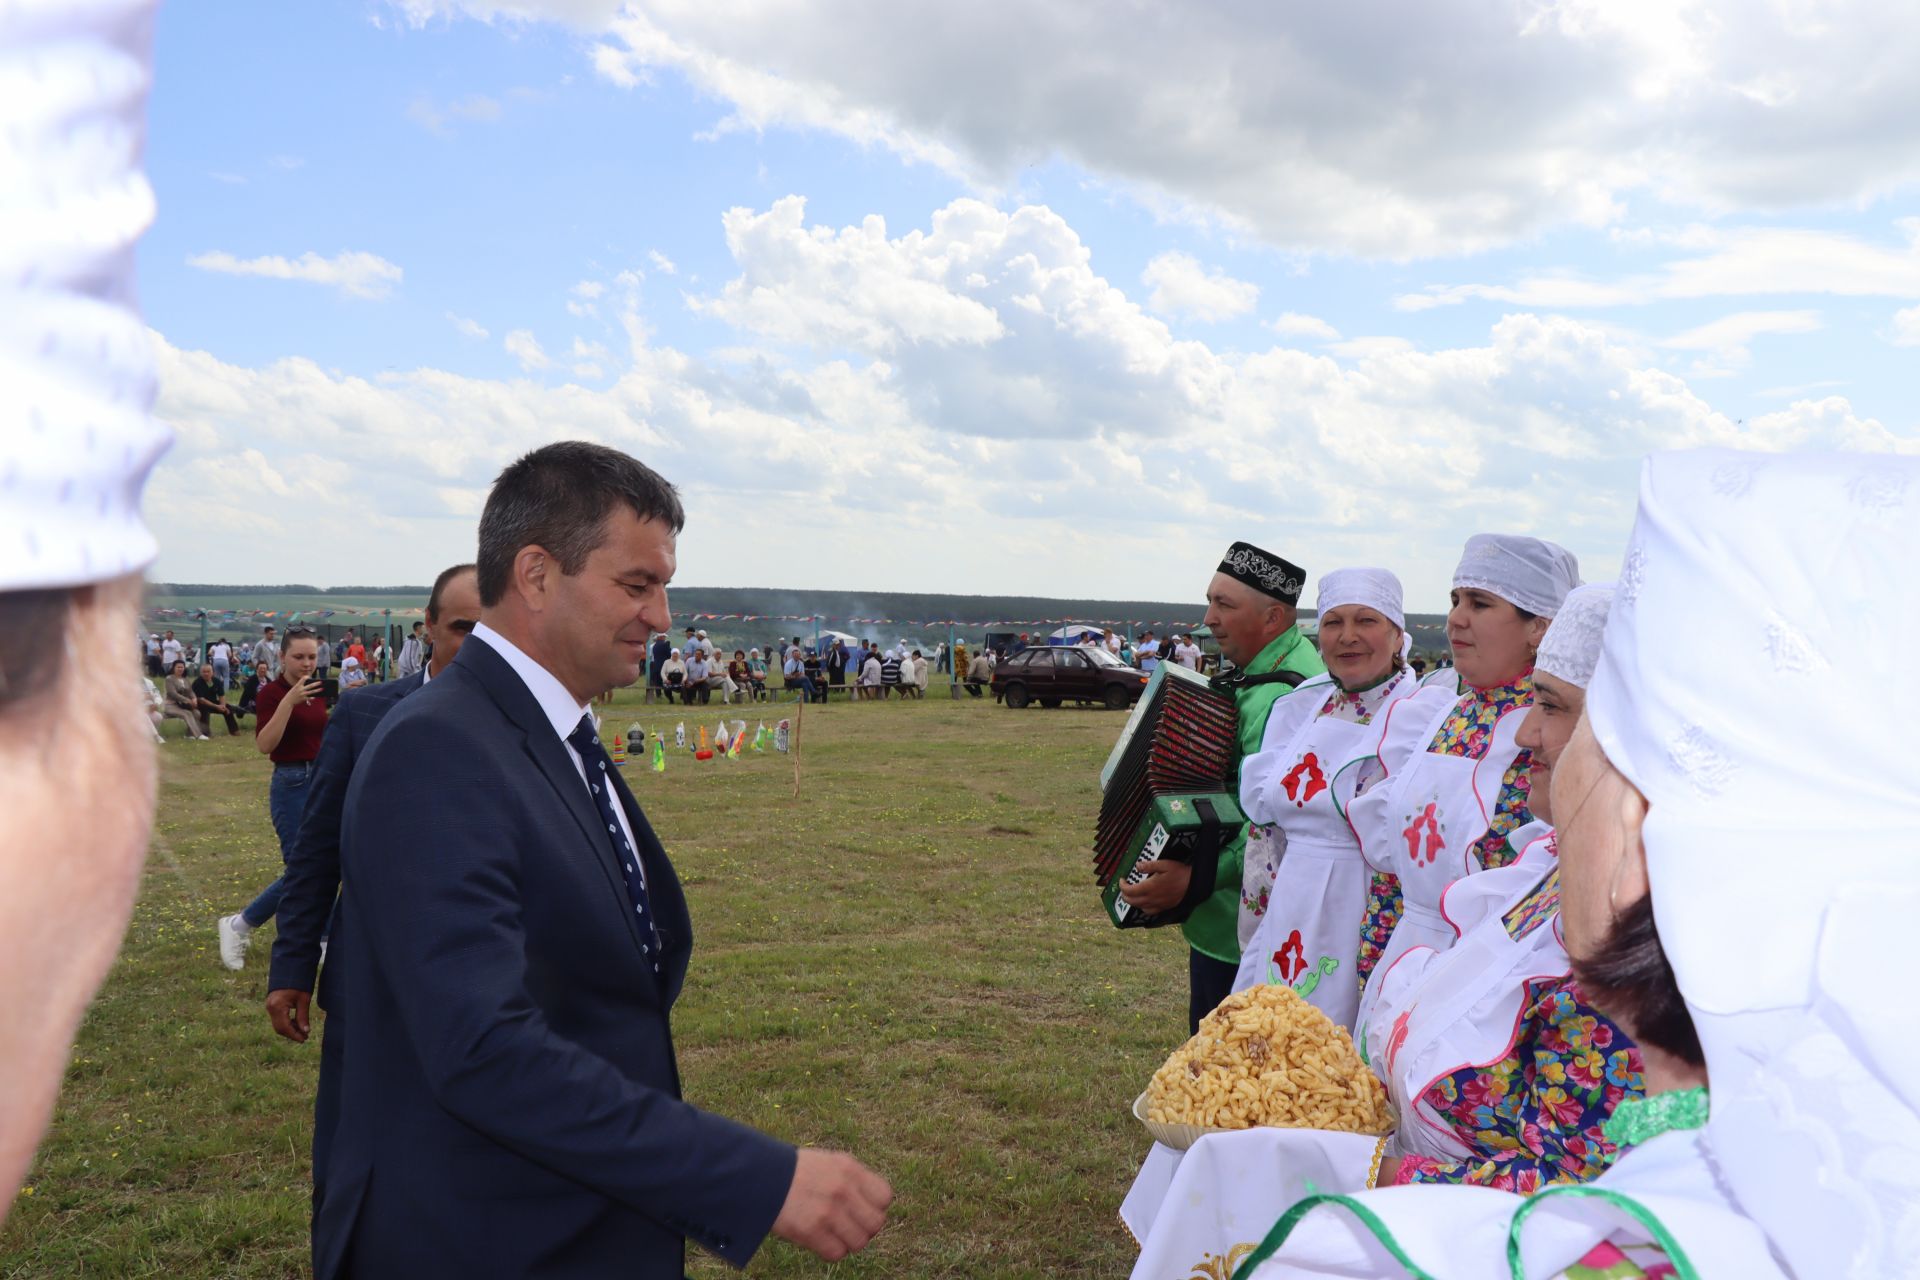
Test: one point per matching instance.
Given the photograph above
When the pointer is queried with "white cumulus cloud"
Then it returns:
(1183, 287)
(1293, 324)
(854, 286)
(1321, 127)
(1737, 262)
(977, 374)
(1728, 338)
(524, 347)
(1906, 328)
(468, 328)
(355, 274)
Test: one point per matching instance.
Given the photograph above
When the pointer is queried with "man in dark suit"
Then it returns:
(312, 880)
(516, 938)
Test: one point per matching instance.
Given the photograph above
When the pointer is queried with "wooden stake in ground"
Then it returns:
(798, 715)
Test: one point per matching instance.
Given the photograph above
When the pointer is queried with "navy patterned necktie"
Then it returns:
(585, 740)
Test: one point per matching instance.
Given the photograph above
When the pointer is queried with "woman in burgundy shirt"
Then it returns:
(289, 719)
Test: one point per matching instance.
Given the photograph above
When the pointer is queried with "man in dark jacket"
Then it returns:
(515, 938)
(312, 881)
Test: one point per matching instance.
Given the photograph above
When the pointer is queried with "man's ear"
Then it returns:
(532, 575)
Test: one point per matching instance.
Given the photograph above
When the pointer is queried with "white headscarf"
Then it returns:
(1375, 589)
(1571, 646)
(1757, 685)
(76, 437)
(1528, 573)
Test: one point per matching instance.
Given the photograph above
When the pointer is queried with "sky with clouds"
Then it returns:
(1012, 298)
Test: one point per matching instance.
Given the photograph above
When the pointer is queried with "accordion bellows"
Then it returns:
(1182, 740)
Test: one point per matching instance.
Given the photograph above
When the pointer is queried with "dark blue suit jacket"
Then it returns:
(511, 1103)
(313, 864)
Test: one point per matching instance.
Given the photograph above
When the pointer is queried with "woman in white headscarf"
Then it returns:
(1691, 802)
(1305, 885)
(1453, 798)
(1499, 1072)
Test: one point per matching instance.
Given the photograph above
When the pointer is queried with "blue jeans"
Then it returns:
(286, 798)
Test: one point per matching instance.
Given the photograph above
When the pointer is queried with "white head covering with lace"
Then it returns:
(1376, 589)
(1571, 646)
(76, 363)
(1528, 573)
(1757, 685)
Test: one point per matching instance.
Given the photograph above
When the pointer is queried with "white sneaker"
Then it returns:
(235, 938)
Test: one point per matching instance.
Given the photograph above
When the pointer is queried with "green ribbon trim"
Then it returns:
(1682, 1265)
(1636, 1120)
(1333, 784)
(1677, 1256)
(1291, 1219)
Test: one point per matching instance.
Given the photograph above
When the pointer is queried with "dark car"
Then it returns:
(1052, 674)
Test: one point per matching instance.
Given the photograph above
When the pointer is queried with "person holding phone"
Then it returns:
(289, 718)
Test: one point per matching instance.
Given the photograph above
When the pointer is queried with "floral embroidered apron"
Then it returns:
(1421, 823)
(1307, 936)
(1437, 1010)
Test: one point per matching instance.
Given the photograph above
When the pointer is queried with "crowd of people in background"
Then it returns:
(231, 673)
(697, 671)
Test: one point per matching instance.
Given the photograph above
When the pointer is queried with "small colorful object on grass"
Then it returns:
(680, 736)
(720, 739)
(760, 737)
(783, 736)
(704, 753)
(659, 755)
(619, 749)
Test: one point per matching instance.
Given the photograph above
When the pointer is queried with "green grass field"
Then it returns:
(908, 961)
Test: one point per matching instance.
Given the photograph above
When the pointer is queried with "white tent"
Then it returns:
(1077, 633)
(828, 637)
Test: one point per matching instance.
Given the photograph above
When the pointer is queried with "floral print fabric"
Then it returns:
(1384, 903)
(1362, 705)
(1607, 1261)
(1534, 1117)
(1467, 732)
(1536, 908)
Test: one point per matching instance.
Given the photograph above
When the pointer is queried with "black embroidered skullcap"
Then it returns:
(1265, 572)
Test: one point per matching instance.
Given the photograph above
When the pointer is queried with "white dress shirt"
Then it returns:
(562, 712)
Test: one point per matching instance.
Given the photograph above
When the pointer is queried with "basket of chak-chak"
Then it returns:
(1264, 1057)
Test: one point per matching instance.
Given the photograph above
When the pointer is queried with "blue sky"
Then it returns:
(1070, 303)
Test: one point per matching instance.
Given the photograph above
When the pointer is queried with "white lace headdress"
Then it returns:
(1376, 589)
(76, 363)
(1571, 646)
(1528, 573)
(1757, 684)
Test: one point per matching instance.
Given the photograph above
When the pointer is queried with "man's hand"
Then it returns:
(835, 1205)
(1164, 888)
(288, 1009)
